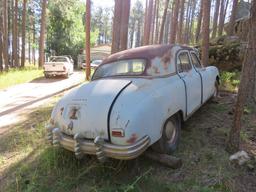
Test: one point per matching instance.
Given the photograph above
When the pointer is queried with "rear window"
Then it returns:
(58, 59)
(131, 67)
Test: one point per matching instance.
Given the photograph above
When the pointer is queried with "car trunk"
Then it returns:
(87, 111)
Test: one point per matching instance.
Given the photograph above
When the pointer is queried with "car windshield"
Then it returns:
(58, 59)
(131, 67)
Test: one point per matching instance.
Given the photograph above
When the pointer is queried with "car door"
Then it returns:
(192, 82)
(205, 74)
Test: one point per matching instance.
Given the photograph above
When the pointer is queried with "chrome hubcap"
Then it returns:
(170, 132)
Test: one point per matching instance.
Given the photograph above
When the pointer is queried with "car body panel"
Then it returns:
(91, 118)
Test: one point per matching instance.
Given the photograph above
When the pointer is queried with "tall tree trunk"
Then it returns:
(29, 38)
(157, 23)
(167, 27)
(87, 43)
(199, 22)
(15, 35)
(205, 43)
(181, 20)
(34, 41)
(132, 33)
(116, 27)
(161, 34)
(10, 15)
(145, 21)
(153, 24)
(174, 22)
(221, 18)
(42, 33)
(5, 35)
(215, 19)
(191, 36)
(1, 42)
(124, 24)
(138, 35)
(18, 39)
(248, 64)
(23, 36)
(232, 18)
(186, 34)
(148, 23)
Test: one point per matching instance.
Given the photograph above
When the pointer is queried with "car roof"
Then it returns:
(145, 52)
(97, 60)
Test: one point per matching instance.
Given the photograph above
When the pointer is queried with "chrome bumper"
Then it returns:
(55, 73)
(98, 146)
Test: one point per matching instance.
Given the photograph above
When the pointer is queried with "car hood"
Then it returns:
(86, 109)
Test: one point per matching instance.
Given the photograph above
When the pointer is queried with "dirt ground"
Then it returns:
(28, 164)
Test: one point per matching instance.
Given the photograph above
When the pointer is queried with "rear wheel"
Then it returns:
(170, 136)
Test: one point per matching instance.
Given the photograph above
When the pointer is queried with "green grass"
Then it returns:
(29, 164)
(18, 76)
(230, 80)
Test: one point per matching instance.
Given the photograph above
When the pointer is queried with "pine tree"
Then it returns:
(248, 64)
(23, 36)
(42, 33)
(174, 22)
(205, 31)
(87, 43)
(163, 22)
(232, 18)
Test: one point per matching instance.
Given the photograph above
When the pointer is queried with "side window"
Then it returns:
(183, 62)
(179, 67)
(195, 61)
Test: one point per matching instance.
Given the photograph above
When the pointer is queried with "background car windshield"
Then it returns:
(59, 59)
(124, 67)
(97, 62)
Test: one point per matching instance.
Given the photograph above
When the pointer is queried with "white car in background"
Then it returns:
(137, 98)
(94, 64)
(59, 65)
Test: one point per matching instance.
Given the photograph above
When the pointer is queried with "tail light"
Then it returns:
(118, 133)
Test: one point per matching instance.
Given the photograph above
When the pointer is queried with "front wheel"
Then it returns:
(170, 136)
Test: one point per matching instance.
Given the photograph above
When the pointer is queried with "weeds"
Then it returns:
(19, 75)
(230, 80)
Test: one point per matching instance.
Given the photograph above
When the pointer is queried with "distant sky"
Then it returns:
(103, 3)
(109, 3)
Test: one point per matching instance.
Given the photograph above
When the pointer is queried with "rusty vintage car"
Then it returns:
(136, 99)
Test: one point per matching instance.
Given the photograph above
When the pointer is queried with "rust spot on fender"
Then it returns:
(132, 139)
